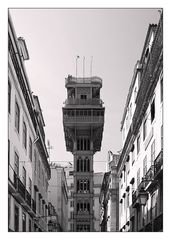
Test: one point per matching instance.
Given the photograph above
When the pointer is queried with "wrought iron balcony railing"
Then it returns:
(77, 101)
(83, 119)
(18, 186)
(73, 80)
(158, 163)
(34, 206)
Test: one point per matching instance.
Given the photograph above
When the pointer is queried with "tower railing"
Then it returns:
(77, 101)
(74, 80)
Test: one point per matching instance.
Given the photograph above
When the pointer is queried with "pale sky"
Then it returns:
(54, 37)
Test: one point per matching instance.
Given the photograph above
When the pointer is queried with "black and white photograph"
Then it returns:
(85, 119)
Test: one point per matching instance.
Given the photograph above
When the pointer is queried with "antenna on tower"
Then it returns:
(83, 66)
(91, 66)
(77, 64)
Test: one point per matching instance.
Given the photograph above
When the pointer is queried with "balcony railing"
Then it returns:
(28, 198)
(34, 206)
(73, 80)
(83, 119)
(77, 101)
(19, 187)
(158, 163)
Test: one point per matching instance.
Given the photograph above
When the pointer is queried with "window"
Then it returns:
(17, 117)
(35, 163)
(154, 205)
(153, 152)
(128, 200)
(161, 90)
(127, 122)
(24, 135)
(138, 144)
(71, 203)
(30, 149)
(9, 97)
(133, 154)
(144, 166)
(144, 129)
(135, 94)
(24, 221)
(83, 185)
(39, 168)
(130, 110)
(16, 219)
(30, 225)
(30, 186)
(42, 178)
(83, 96)
(162, 137)
(152, 110)
(16, 164)
(123, 134)
(138, 177)
(71, 215)
(24, 176)
(39, 204)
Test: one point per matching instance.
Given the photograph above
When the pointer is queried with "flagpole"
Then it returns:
(76, 65)
(83, 66)
(91, 66)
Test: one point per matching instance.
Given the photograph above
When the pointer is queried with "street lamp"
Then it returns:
(142, 197)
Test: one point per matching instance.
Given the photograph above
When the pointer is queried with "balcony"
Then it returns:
(90, 80)
(83, 194)
(83, 119)
(34, 206)
(83, 216)
(18, 189)
(71, 116)
(158, 164)
(76, 101)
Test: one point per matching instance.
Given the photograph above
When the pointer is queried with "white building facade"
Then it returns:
(97, 183)
(70, 182)
(58, 195)
(141, 161)
(27, 200)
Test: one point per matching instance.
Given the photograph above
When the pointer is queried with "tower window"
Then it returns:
(83, 96)
(153, 110)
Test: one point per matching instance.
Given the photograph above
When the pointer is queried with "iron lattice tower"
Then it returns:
(83, 121)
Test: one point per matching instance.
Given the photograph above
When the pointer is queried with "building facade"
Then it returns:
(140, 167)
(98, 177)
(27, 153)
(70, 182)
(109, 196)
(58, 195)
(53, 222)
(83, 120)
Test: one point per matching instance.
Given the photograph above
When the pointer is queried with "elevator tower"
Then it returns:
(83, 121)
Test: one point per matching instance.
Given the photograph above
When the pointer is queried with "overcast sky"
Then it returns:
(54, 37)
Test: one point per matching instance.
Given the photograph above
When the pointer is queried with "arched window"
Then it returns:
(88, 165)
(81, 165)
(88, 207)
(88, 144)
(78, 165)
(85, 144)
(85, 165)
